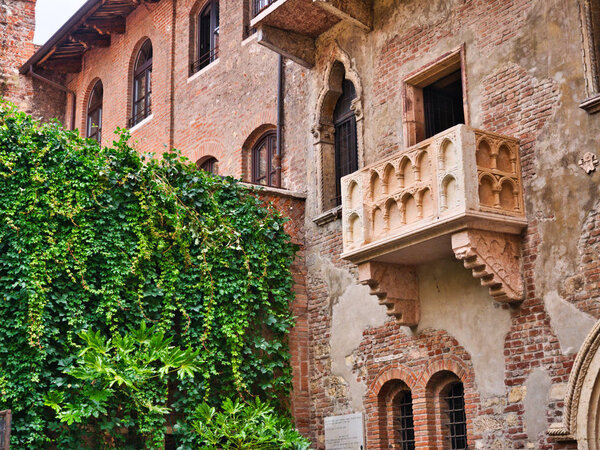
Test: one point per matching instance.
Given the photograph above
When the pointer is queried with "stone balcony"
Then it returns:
(458, 193)
(290, 27)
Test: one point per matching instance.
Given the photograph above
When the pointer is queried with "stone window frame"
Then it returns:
(324, 133)
(589, 12)
(130, 82)
(413, 114)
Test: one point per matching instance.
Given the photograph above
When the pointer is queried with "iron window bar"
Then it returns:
(457, 419)
(205, 60)
(404, 421)
(141, 115)
(259, 5)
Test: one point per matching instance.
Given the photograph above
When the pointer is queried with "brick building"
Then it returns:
(438, 161)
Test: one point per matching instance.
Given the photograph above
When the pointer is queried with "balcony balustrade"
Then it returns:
(290, 27)
(459, 192)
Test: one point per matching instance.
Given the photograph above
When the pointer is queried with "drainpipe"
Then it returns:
(59, 87)
(172, 81)
(280, 111)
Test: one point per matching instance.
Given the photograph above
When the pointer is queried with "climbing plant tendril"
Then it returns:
(105, 239)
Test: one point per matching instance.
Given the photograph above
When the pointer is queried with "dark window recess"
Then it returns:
(403, 420)
(259, 5)
(208, 165)
(94, 113)
(142, 85)
(208, 36)
(457, 419)
(346, 151)
(443, 104)
(263, 169)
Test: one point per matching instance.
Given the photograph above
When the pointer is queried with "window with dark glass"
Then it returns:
(263, 169)
(259, 5)
(142, 85)
(346, 151)
(403, 421)
(443, 104)
(454, 399)
(208, 36)
(208, 164)
(94, 113)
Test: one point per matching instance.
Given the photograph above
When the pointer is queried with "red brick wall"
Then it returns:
(291, 206)
(213, 112)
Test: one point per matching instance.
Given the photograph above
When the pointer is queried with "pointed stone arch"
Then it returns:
(581, 420)
(340, 67)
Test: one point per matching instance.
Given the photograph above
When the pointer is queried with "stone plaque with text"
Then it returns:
(344, 432)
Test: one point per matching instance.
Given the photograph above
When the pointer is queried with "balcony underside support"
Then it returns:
(297, 47)
(357, 12)
(396, 286)
(495, 259)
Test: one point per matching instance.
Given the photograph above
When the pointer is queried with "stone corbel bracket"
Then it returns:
(495, 259)
(396, 286)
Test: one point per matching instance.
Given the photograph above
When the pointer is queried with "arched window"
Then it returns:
(403, 425)
(94, 113)
(263, 153)
(208, 164)
(142, 85)
(453, 415)
(346, 149)
(208, 36)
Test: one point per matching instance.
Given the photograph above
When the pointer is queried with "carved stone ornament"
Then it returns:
(589, 162)
(582, 407)
(495, 259)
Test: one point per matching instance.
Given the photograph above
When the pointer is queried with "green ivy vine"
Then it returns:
(105, 239)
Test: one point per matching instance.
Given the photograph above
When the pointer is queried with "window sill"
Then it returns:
(249, 39)
(328, 216)
(203, 70)
(141, 124)
(592, 104)
(274, 190)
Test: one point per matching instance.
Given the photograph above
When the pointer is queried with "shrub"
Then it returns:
(102, 239)
(239, 425)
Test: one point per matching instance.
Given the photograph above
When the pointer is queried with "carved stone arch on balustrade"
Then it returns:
(377, 185)
(423, 165)
(354, 231)
(378, 221)
(393, 214)
(487, 190)
(425, 203)
(449, 193)
(447, 154)
(484, 153)
(507, 158)
(410, 212)
(581, 418)
(390, 180)
(406, 172)
(339, 67)
(353, 197)
(509, 194)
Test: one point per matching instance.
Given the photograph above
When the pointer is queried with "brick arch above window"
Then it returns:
(208, 163)
(249, 144)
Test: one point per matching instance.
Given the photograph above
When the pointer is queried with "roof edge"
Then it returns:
(87, 8)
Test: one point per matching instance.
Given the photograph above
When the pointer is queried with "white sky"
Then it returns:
(50, 15)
